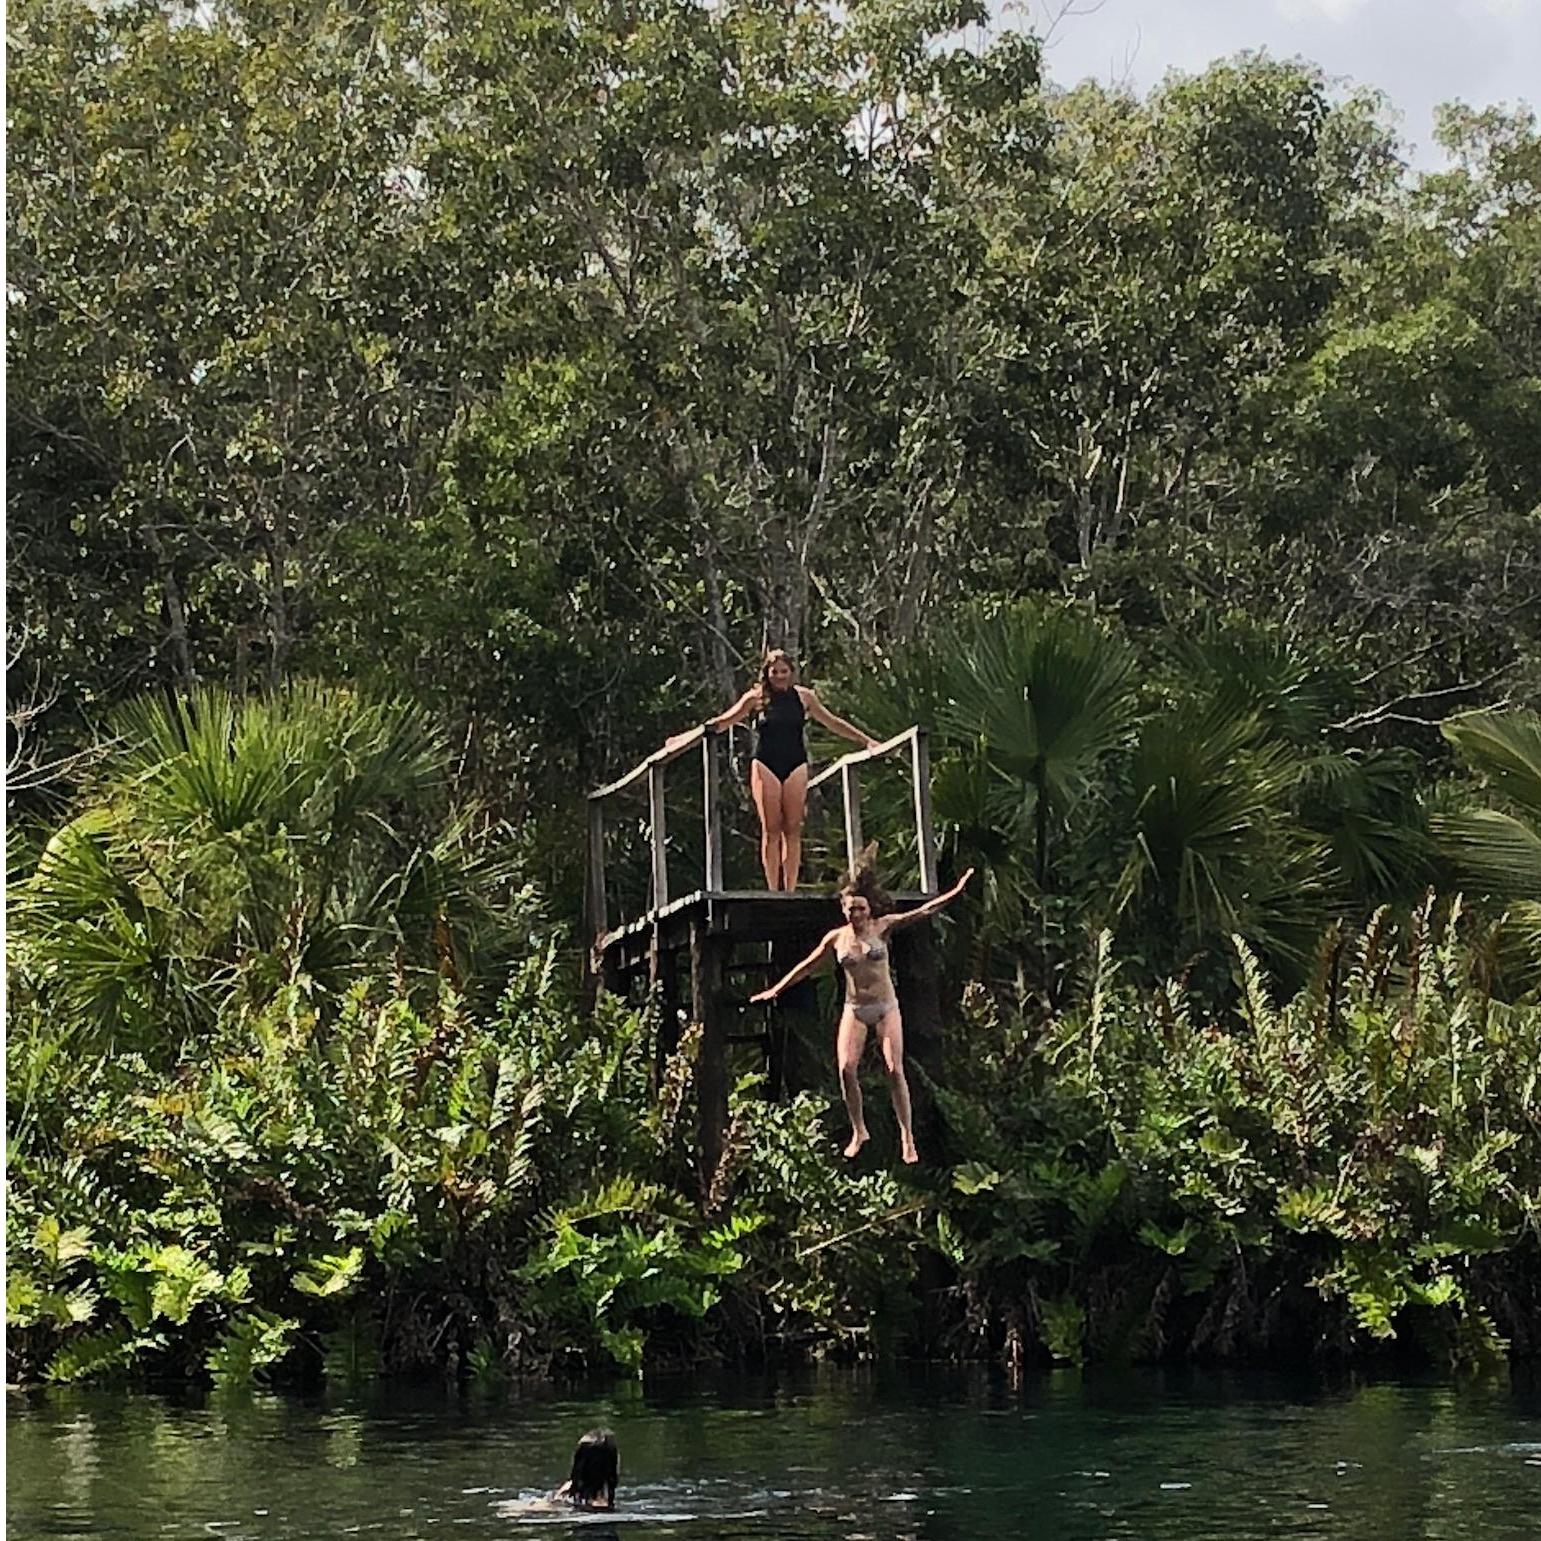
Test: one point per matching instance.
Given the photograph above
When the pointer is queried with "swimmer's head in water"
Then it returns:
(861, 895)
(596, 1468)
(777, 673)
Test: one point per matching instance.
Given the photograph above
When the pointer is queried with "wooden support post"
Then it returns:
(598, 923)
(612, 976)
(850, 798)
(663, 977)
(659, 833)
(706, 1006)
(711, 810)
(925, 835)
(920, 997)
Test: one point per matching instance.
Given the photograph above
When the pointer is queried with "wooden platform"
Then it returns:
(750, 914)
(706, 953)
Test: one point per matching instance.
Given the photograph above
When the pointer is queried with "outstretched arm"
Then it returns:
(825, 718)
(930, 907)
(731, 718)
(802, 971)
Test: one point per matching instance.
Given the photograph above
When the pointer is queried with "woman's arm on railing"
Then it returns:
(825, 718)
(731, 718)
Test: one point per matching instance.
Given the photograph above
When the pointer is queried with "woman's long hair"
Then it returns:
(596, 1468)
(862, 882)
(773, 656)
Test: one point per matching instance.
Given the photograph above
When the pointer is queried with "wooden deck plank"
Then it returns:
(743, 912)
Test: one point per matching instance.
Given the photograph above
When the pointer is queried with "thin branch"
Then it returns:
(1389, 712)
(893, 1214)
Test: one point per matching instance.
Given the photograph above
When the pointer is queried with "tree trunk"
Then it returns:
(279, 638)
(176, 611)
(715, 633)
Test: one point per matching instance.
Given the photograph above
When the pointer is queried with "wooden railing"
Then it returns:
(848, 769)
(652, 769)
(709, 740)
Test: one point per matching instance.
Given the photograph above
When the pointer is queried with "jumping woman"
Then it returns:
(778, 774)
(860, 948)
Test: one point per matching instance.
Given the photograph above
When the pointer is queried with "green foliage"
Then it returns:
(1369, 1142)
(253, 1341)
(258, 1199)
(1062, 1326)
(1048, 693)
(231, 848)
(1169, 459)
(1137, 1177)
(1213, 799)
(609, 1273)
(1499, 848)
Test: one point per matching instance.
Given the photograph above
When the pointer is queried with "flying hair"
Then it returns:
(862, 882)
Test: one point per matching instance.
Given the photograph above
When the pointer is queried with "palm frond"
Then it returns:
(1505, 748)
(1048, 692)
(1262, 675)
(1496, 848)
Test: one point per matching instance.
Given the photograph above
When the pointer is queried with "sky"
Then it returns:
(1418, 52)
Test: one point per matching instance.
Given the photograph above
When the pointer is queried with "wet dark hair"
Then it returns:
(596, 1467)
(863, 883)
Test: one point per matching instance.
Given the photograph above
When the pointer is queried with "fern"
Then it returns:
(99, 1355)
(252, 1342)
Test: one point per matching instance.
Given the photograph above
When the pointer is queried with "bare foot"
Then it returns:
(859, 1137)
(908, 1152)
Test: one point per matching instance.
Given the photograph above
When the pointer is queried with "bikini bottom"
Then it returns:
(870, 1013)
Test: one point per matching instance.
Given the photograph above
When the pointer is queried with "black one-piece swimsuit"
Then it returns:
(779, 745)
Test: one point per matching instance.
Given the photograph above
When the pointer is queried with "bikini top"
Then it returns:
(870, 952)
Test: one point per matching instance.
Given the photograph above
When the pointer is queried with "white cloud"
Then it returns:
(1333, 10)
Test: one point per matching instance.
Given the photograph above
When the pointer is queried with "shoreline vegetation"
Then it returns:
(270, 1168)
(414, 416)
(1341, 1175)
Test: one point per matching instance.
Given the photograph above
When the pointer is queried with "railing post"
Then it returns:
(925, 835)
(711, 811)
(655, 815)
(850, 797)
(598, 921)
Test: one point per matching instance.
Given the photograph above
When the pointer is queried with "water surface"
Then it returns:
(825, 1455)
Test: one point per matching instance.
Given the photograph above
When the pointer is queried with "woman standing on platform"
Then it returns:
(778, 774)
(860, 948)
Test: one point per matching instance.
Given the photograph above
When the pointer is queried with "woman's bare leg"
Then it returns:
(794, 803)
(851, 1041)
(766, 791)
(891, 1040)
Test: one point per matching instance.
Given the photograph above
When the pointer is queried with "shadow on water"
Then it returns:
(915, 1453)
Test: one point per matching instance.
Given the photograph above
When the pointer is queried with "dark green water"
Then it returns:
(826, 1456)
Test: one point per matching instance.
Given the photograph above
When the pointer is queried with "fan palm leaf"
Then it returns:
(1364, 805)
(1214, 848)
(1263, 675)
(1499, 847)
(1046, 694)
(233, 846)
(1505, 749)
